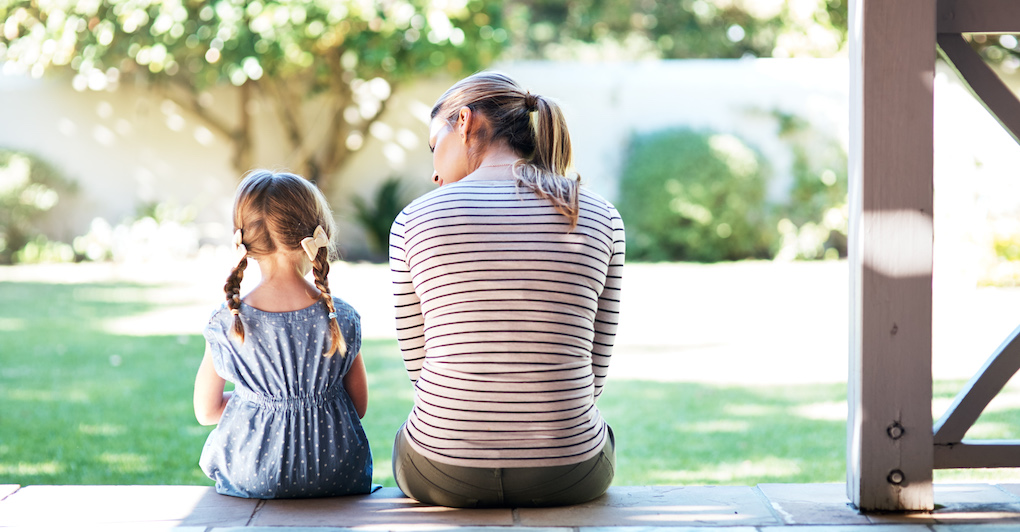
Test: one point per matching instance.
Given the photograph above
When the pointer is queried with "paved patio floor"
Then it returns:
(960, 508)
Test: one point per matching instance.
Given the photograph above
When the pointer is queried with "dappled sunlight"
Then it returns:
(48, 396)
(102, 429)
(989, 430)
(750, 410)
(126, 462)
(31, 469)
(11, 324)
(744, 472)
(828, 411)
(719, 425)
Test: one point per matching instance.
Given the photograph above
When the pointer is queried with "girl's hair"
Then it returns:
(277, 211)
(532, 125)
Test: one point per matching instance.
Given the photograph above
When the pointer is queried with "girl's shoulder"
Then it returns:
(342, 306)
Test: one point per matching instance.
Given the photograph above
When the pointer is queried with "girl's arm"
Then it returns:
(356, 384)
(210, 399)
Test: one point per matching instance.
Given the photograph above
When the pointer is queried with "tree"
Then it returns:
(342, 58)
(676, 29)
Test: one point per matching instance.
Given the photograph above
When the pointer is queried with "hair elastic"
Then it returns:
(531, 102)
(332, 315)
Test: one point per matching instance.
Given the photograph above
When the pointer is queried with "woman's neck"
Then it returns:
(497, 163)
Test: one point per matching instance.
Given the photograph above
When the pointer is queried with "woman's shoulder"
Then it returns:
(592, 200)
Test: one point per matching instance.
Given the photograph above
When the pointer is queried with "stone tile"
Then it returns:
(386, 509)
(120, 507)
(975, 503)
(655, 529)
(962, 504)
(849, 528)
(213, 509)
(900, 519)
(281, 529)
(659, 506)
(1011, 488)
(975, 527)
(812, 504)
(7, 489)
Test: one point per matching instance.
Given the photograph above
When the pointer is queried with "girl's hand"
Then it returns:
(210, 399)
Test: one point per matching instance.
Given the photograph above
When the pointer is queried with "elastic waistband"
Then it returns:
(288, 403)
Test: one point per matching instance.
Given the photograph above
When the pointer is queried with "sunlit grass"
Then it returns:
(82, 405)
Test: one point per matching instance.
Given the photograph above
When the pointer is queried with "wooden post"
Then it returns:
(889, 428)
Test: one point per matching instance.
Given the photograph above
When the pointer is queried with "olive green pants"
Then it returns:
(436, 483)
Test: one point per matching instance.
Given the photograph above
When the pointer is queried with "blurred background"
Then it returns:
(719, 128)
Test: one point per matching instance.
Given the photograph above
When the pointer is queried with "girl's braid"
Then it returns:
(233, 291)
(321, 269)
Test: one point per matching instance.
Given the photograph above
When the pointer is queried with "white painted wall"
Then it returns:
(127, 147)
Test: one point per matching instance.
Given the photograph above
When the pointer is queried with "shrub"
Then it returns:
(814, 218)
(29, 188)
(160, 231)
(389, 199)
(695, 196)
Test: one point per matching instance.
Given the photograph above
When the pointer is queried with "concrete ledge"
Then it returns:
(962, 508)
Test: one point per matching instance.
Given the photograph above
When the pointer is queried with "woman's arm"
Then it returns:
(410, 322)
(356, 384)
(608, 316)
(210, 399)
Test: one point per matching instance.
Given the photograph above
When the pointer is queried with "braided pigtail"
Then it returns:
(321, 270)
(233, 290)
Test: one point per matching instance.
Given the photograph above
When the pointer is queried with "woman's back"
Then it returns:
(517, 311)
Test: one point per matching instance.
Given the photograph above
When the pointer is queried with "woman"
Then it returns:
(507, 283)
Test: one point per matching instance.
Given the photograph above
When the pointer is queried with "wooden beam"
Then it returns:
(982, 81)
(987, 453)
(982, 388)
(892, 70)
(978, 16)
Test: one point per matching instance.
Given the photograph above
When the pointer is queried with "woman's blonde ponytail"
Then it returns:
(551, 160)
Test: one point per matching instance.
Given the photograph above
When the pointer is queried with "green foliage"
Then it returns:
(695, 196)
(1002, 50)
(676, 29)
(29, 188)
(814, 217)
(205, 43)
(377, 218)
(346, 54)
(1007, 247)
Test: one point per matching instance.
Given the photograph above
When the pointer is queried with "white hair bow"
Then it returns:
(240, 251)
(314, 242)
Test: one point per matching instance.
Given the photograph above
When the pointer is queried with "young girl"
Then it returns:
(291, 427)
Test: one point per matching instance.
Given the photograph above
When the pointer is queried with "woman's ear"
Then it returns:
(465, 123)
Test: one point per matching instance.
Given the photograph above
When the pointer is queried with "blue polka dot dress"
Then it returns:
(290, 429)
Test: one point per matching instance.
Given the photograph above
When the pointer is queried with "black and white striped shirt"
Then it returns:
(506, 320)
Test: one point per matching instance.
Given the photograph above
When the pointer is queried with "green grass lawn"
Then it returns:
(79, 405)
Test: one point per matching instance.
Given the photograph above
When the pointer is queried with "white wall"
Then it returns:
(128, 147)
